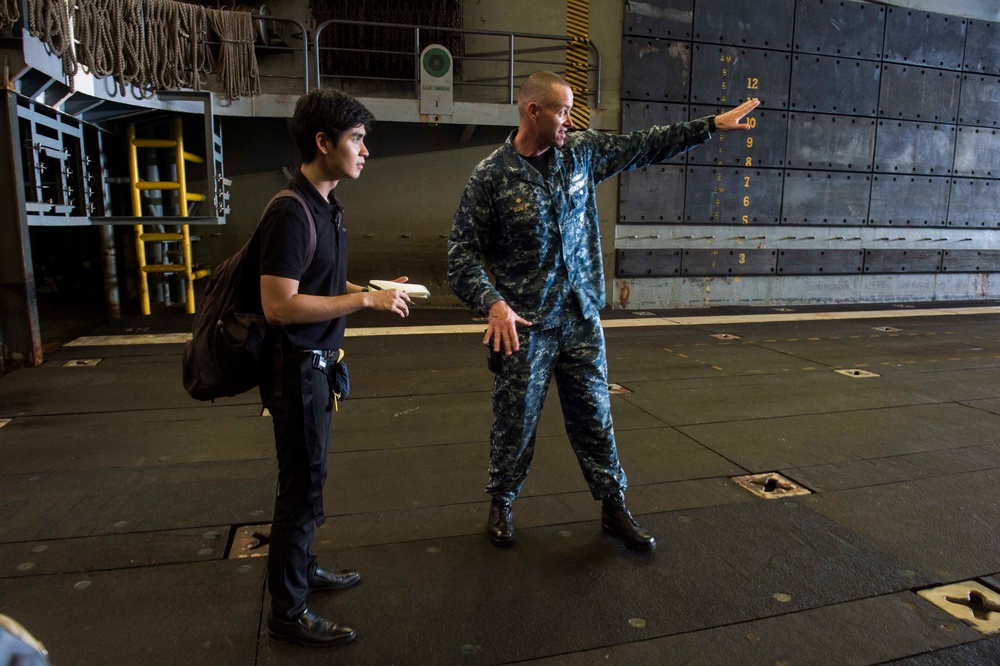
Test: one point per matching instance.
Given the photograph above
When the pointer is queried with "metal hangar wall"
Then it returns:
(872, 173)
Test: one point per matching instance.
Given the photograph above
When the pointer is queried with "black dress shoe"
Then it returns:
(500, 526)
(308, 629)
(323, 580)
(617, 520)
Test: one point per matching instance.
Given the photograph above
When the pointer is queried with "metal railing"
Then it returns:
(265, 37)
(511, 55)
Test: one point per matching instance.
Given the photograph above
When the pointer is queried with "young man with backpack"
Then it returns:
(306, 305)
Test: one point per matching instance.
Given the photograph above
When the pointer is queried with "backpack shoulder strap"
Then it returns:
(289, 193)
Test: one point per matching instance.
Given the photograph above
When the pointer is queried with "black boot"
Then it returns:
(618, 521)
(500, 526)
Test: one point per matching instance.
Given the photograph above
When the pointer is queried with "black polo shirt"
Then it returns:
(284, 239)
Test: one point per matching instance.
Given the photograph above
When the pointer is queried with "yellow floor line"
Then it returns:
(708, 320)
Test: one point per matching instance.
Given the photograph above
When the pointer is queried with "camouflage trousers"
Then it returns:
(574, 353)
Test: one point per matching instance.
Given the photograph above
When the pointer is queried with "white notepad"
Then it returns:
(413, 290)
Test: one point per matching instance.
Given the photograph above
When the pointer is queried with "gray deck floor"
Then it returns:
(121, 496)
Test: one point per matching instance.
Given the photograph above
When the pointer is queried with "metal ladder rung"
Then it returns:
(175, 268)
(160, 237)
(194, 196)
(157, 185)
(164, 268)
(154, 143)
(191, 157)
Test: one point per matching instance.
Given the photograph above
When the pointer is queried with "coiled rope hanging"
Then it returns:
(48, 20)
(238, 71)
(151, 44)
(177, 34)
(9, 13)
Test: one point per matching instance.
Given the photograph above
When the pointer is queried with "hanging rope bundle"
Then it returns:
(200, 61)
(176, 35)
(112, 41)
(9, 13)
(150, 44)
(237, 70)
(48, 20)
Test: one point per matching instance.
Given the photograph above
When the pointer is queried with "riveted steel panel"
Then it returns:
(728, 262)
(641, 115)
(971, 261)
(974, 203)
(980, 100)
(763, 24)
(977, 152)
(924, 38)
(907, 147)
(902, 261)
(816, 262)
(830, 142)
(915, 201)
(982, 47)
(666, 19)
(656, 69)
(825, 198)
(850, 29)
(657, 262)
(724, 195)
(651, 194)
(730, 75)
(919, 93)
(764, 145)
(834, 85)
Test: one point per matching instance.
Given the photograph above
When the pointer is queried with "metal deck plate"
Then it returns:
(856, 373)
(82, 363)
(936, 526)
(762, 563)
(770, 485)
(206, 613)
(970, 601)
(869, 631)
(898, 468)
(250, 541)
(812, 441)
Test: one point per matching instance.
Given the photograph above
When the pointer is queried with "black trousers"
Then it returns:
(301, 416)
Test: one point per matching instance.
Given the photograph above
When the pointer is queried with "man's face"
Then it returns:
(347, 158)
(554, 116)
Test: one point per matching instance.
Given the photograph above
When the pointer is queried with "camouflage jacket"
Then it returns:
(540, 238)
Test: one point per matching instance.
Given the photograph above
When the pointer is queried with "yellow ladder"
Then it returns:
(184, 197)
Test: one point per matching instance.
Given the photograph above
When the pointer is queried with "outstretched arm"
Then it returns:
(732, 119)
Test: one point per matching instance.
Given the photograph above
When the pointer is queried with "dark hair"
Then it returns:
(329, 111)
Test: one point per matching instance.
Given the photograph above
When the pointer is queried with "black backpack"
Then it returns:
(222, 359)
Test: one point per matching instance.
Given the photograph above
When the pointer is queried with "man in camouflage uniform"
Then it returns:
(529, 216)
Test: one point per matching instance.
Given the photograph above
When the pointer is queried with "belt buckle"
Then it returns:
(319, 361)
